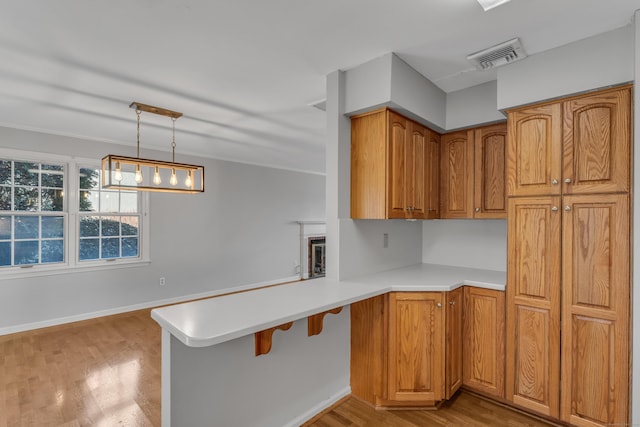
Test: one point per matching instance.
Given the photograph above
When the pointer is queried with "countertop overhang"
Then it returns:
(215, 320)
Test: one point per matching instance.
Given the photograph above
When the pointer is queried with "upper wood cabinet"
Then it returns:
(576, 146)
(391, 167)
(473, 173)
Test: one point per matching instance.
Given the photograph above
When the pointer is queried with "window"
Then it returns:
(109, 220)
(54, 217)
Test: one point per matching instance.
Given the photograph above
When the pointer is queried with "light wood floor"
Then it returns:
(106, 372)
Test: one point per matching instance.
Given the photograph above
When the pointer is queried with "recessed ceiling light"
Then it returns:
(490, 4)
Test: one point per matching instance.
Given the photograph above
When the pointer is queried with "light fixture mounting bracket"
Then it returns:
(155, 110)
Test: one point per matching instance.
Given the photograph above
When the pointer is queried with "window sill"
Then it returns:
(42, 270)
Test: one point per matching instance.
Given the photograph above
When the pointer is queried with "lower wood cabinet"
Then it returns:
(407, 347)
(484, 329)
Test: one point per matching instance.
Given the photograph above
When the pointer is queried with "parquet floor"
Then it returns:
(106, 372)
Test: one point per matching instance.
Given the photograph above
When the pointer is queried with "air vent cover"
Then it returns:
(498, 55)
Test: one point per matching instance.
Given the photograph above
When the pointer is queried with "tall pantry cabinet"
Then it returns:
(568, 299)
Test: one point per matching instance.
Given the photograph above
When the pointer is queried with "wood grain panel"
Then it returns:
(416, 346)
(490, 172)
(484, 329)
(433, 175)
(368, 349)
(415, 190)
(533, 304)
(369, 166)
(597, 142)
(397, 173)
(456, 167)
(534, 150)
(595, 310)
(454, 336)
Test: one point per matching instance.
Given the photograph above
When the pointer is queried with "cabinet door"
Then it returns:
(456, 167)
(397, 173)
(595, 310)
(533, 304)
(484, 329)
(416, 346)
(433, 175)
(534, 151)
(453, 369)
(597, 142)
(490, 172)
(415, 181)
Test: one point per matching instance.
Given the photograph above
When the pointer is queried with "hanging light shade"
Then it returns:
(135, 173)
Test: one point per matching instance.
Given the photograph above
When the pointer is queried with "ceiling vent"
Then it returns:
(498, 55)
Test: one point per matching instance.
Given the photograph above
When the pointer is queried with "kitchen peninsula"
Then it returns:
(208, 343)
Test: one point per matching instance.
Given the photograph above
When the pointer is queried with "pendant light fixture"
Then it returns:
(135, 173)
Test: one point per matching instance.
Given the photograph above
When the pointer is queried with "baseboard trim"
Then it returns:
(320, 408)
(156, 303)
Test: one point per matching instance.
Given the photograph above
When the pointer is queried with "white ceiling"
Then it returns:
(244, 72)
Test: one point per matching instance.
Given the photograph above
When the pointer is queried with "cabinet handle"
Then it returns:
(477, 209)
(554, 181)
(567, 180)
(452, 303)
(554, 209)
(567, 208)
(439, 305)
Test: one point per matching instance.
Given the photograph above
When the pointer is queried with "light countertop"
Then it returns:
(216, 320)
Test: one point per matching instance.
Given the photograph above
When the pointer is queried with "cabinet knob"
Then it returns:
(567, 180)
(477, 209)
(452, 303)
(439, 305)
(567, 208)
(554, 209)
(554, 181)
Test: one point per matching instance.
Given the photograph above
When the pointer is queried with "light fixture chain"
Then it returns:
(173, 141)
(138, 112)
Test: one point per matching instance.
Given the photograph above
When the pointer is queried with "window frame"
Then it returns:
(72, 214)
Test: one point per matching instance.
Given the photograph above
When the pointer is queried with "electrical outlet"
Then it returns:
(161, 281)
(385, 240)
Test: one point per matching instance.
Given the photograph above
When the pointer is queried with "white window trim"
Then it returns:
(72, 264)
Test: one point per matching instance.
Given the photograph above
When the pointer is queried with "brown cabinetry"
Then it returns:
(473, 173)
(483, 341)
(391, 161)
(406, 348)
(568, 258)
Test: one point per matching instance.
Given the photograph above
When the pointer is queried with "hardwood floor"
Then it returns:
(106, 372)
(102, 372)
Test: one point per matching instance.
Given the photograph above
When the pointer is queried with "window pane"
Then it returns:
(89, 226)
(52, 226)
(5, 198)
(111, 248)
(27, 227)
(109, 201)
(129, 225)
(26, 252)
(5, 172)
(89, 249)
(52, 179)
(5, 227)
(5, 254)
(128, 201)
(130, 247)
(89, 179)
(26, 173)
(51, 200)
(89, 201)
(110, 226)
(52, 251)
(26, 199)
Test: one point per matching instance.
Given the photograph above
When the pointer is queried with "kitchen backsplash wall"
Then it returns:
(466, 243)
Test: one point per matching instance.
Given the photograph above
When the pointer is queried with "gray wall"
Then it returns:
(473, 106)
(241, 231)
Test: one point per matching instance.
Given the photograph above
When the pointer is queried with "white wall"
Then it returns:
(473, 106)
(595, 62)
(466, 243)
(241, 231)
